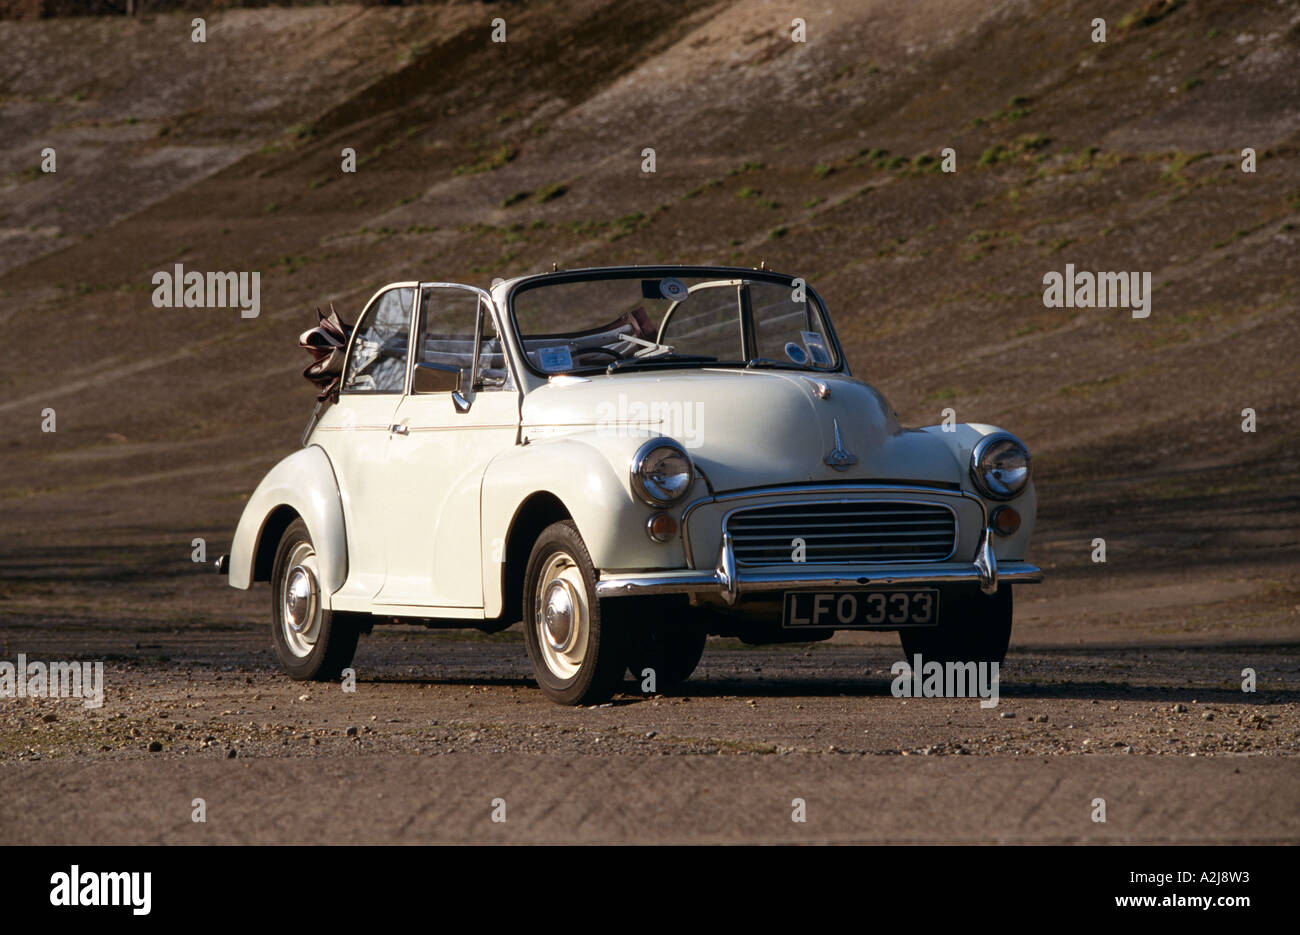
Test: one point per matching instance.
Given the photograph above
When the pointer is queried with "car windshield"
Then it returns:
(623, 321)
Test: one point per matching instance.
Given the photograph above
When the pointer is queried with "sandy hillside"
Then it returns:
(480, 159)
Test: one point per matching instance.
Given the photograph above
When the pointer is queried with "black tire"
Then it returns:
(666, 637)
(328, 641)
(973, 627)
(581, 663)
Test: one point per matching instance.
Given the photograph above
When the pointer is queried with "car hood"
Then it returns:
(748, 428)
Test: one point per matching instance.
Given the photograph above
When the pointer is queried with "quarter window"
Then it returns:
(377, 363)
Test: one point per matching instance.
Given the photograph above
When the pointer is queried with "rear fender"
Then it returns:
(303, 484)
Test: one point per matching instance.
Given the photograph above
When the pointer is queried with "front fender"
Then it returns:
(303, 482)
(588, 473)
(961, 441)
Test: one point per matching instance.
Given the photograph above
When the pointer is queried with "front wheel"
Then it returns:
(973, 627)
(577, 659)
(312, 643)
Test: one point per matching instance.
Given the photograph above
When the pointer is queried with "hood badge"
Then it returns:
(840, 457)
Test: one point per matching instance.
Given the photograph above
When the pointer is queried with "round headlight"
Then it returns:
(1000, 466)
(662, 472)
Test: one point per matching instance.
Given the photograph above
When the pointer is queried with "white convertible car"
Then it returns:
(627, 460)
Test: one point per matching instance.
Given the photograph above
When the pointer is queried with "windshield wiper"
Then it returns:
(661, 359)
(755, 363)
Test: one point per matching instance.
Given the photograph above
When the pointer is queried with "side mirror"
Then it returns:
(441, 378)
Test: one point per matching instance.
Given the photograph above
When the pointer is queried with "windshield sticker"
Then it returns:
(816, 348)
(674, 290)
(555, 358)
(795, 353)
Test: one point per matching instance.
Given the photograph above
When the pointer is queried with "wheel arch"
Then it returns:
(537, 511)
(302, 486)
(268, 540)
(586, 475)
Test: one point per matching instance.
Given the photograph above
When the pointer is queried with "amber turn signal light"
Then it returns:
(661, 527)
(1005, 520)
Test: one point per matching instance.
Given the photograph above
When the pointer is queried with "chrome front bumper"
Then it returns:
(725, 580)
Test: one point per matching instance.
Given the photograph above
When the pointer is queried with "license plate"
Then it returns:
(849, 610)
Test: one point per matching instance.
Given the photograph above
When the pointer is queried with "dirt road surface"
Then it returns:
(442, 723)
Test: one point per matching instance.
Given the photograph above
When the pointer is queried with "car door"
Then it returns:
(462, 410)
(355, 432)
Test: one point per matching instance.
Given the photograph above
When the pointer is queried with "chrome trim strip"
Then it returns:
(631, 584)
(461, 428)
(353, 428)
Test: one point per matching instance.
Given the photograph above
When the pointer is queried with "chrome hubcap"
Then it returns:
(298, 599)
(300, 604)
(562, 616)
(558, 614)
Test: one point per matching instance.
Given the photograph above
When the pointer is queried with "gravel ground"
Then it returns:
(435, 694)
(441, 724)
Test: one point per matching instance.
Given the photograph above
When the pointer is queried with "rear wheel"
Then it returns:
(311, 642)
(973, 627)
(576, 658)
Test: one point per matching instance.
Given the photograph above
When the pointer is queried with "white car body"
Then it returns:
(416, 502)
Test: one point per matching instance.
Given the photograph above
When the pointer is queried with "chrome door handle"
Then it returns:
(399, 429)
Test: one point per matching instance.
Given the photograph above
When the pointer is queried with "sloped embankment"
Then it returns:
(480, 159)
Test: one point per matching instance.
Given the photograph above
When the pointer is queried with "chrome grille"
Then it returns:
(844, 533)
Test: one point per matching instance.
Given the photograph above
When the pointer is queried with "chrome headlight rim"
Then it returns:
(638, 462)
(977, 456)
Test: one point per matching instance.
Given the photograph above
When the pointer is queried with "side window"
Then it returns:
(377, 363)
(446, 336)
